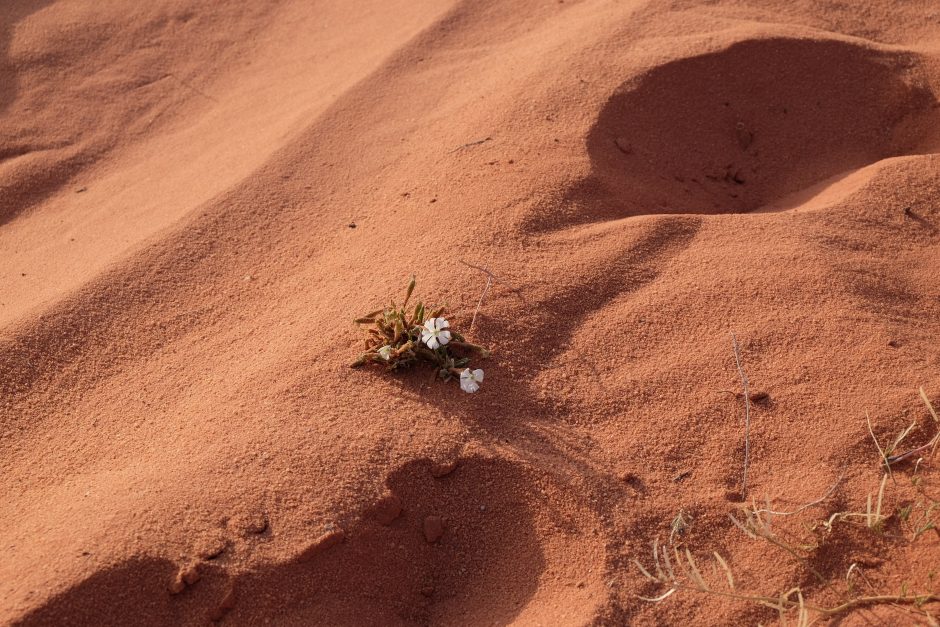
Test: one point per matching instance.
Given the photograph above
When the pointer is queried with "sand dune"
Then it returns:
(197, 199)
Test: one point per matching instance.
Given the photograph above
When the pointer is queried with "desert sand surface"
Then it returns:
(198, 198)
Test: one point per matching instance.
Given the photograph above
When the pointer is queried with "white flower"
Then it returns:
(470, 381)
(434, 334)
(385, 352)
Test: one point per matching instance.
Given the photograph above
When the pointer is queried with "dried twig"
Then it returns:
(471, 144)
(881, 452)
(894, 459)
(929, 446)
(933, 412)
(489, 282)
(747, 413)
(805, 506)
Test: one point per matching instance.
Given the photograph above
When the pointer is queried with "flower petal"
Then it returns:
(444, 337)
(469, 385)
(478, 374)
(442, 323)
(467, 382)
(432, 342)
(430, 325)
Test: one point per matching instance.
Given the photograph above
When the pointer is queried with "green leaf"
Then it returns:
(411, 288)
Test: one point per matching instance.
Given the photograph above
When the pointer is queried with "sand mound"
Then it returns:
(196, 201)
(452, 542)
(737, 129)
(457, 548)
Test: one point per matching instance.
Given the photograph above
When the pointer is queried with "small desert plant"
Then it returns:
(400, 337)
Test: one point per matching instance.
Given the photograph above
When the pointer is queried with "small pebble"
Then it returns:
(212, 550)
(387, 509)
(248, 523)
(433, 528)
(191, 575)
(442, 469)
(744, 136)
(177, 585)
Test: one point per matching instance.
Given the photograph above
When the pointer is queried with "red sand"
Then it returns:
(181, 438)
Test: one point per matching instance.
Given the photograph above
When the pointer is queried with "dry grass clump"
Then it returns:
(675, 570)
